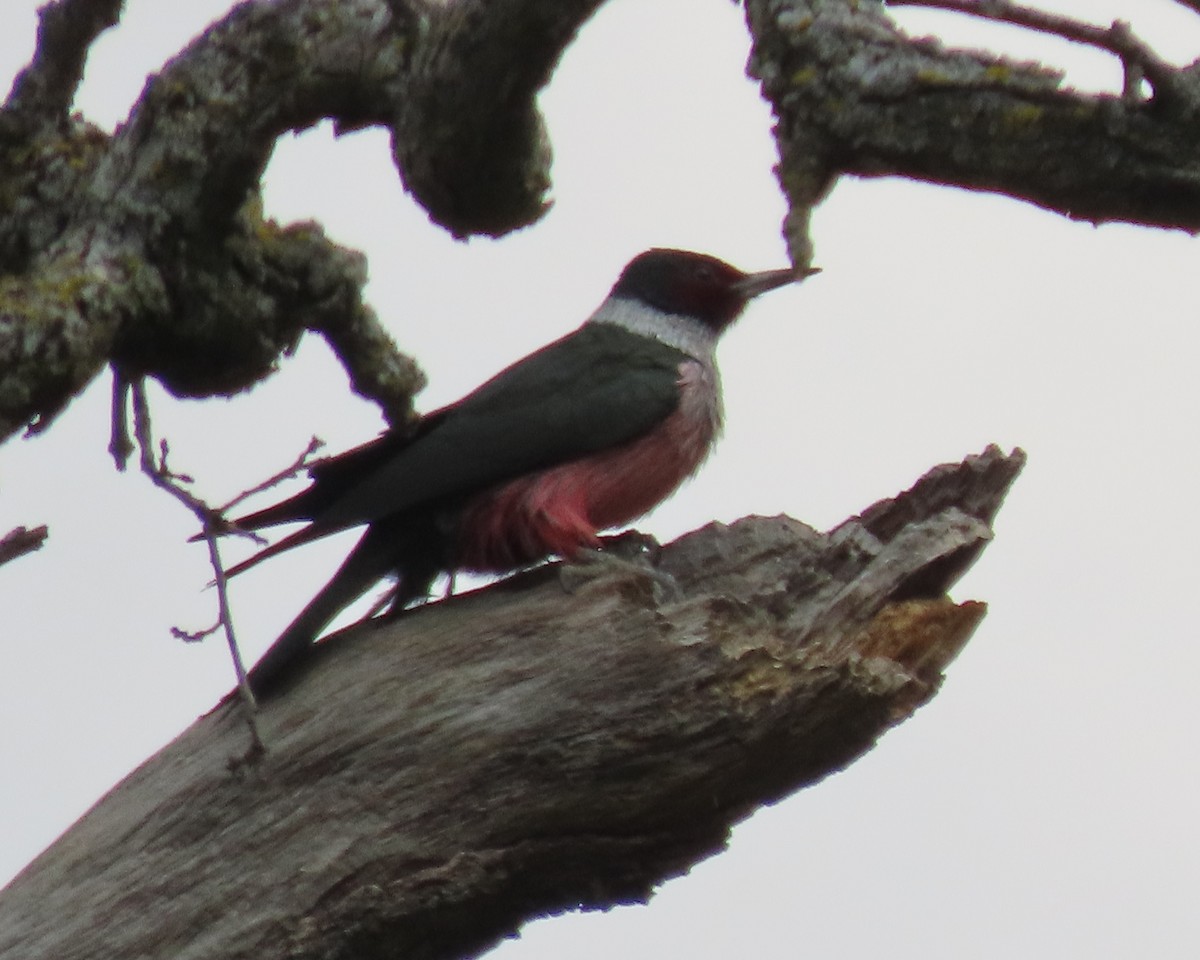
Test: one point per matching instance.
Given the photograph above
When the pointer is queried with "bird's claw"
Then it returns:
(629, 554)
(633, 545)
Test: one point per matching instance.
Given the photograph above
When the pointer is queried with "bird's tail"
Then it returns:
(363, 567)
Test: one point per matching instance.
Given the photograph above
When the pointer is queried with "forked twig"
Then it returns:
(1139, 60)
(301, 463)
(213, 523)
(160, 474)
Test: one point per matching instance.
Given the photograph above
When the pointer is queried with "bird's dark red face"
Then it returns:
(690, 284)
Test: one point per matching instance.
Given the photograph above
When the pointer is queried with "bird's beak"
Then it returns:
(751, 285)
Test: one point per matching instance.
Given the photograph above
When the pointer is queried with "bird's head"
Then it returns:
(696, 285)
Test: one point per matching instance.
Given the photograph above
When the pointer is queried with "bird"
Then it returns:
(584, 435)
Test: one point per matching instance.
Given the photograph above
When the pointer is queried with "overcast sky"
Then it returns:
(1044, 803)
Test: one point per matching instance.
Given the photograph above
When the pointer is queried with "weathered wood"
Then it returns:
(431, 783)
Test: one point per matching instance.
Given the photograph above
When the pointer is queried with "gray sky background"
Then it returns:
(1043, 805)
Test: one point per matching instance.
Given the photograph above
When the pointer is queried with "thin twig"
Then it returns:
(302, 462)
(1140, 60)
(20, 541)
(120, 445)
(163, 478)
(157, 470)
(195, 636)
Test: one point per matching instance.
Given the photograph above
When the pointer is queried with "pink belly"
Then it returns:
(561, 510)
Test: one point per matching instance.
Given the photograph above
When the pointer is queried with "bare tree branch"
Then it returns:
(297, 466)
(156, 469)
(42, 93)
(493, 172)
(120, 444)
(148, 249)
(855, 95)
(439, 779)
(1118, 38)
(20, 541)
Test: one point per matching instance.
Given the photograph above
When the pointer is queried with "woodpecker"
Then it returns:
(583, 435)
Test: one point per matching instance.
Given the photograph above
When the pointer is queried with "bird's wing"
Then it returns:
(595, 389)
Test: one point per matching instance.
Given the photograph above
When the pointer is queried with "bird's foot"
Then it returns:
(631, 555)
(633, 545)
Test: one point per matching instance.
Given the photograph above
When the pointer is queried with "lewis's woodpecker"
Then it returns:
(585, 434)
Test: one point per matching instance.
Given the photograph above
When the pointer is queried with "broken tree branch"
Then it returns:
(432, 782)
(20, 541)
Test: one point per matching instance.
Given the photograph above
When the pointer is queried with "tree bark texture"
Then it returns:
(431, 783)
(147, 249)
(856, 95)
